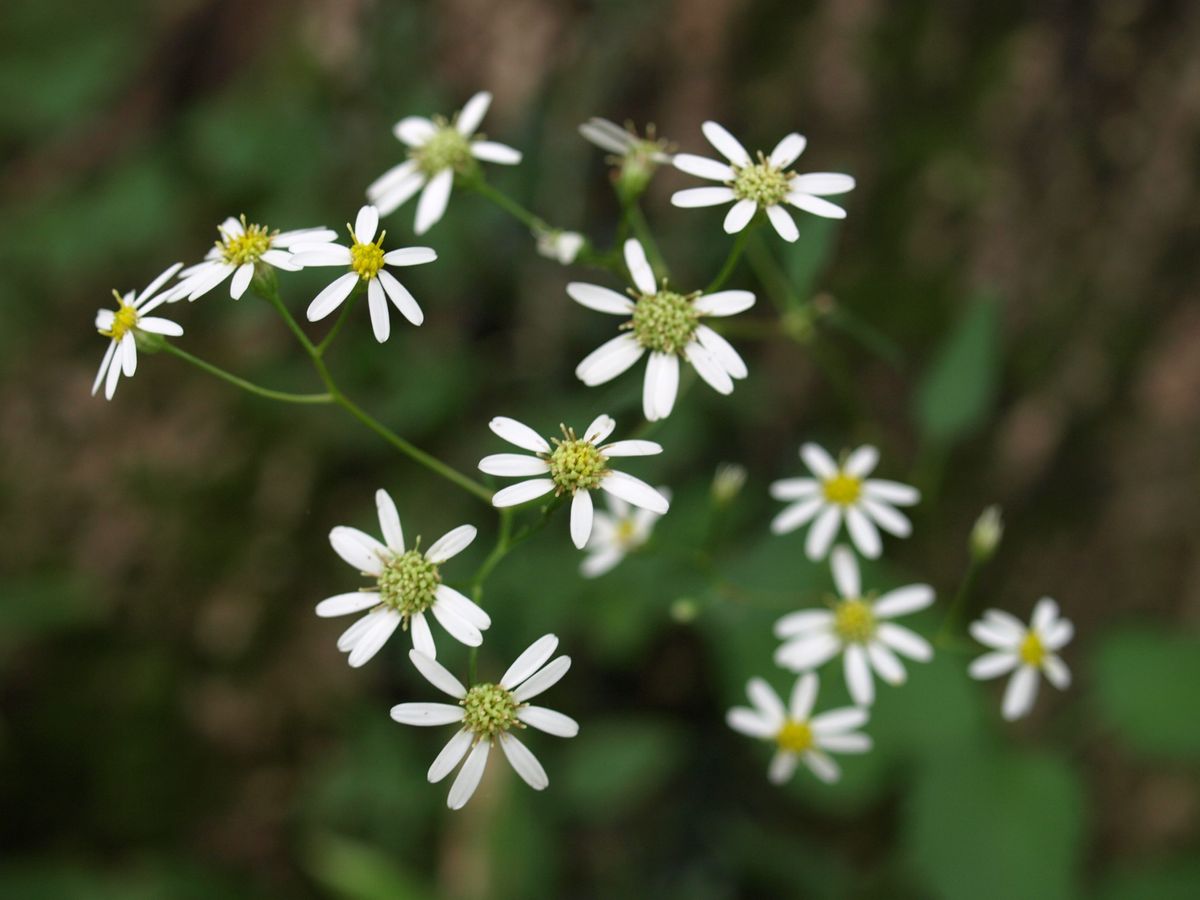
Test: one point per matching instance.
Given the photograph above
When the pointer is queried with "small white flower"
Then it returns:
(842, 491)
(798, 735)
(1028, 650)
(860, 627)
(366, 260)
(765, 184)
(625, 142)
(239, 250)
(669, 326)
(489, 713)
(408, 584)
(616, 533)
(437, 150)
(562, 246)
(575, 465)
(122, 326)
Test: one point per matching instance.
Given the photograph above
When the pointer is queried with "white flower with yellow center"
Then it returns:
(239, 250)
(841, 491)
(122, 326)
(574, 465)
(666, 324)
(408, 586)
(366, 260)
(763, 184)
(490, 714)
(859, 626)
(1027, 650)
(437, 149)
(798, 735)
(617, 533)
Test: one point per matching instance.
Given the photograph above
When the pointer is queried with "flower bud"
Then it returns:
(986, 534)
(727, 483)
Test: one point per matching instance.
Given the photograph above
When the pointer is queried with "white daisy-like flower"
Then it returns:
(841, 491)
(489, 714)
(617, 533)
(562, 246)
(122, 326)
(765, 184)
(408, 585)
(575, 466)
(625, 143)
(240, 249)
(366, 260)
(798, 735)
(437, 150)
(666, 324)
(1028, 650)
(860, 627)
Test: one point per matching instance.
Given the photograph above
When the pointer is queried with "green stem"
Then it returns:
(251, 387)
(508, 204)
(641, 230)
(341, 320)
(771, 275)
(952, 621)
(731, 261)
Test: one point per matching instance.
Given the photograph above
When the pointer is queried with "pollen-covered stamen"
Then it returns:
(445, 149)
(1032, 650)
(842, 488)
(664, 322)
(765, 184)
(247, 247)
(794, 737)
(575, 463)
(854, 621)
(489, 709)
(366, 259)
(124, 320)
(409, 582)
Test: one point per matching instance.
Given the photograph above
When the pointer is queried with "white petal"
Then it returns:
(524, 763)
(472, 113)
(724, 303)
(317, 234)
(128, 351)
(469, 776)
(727, 145)
(639, 267)
(456, 748)
(282, 259)
(386, 182)
(410, 256)
(802, 621)
(822, 183)
(661, 385)
(635, 491)
(517, 433)
(365, 224)
(631, 448)
(902, 601)
(1058, 635)
(530, 660)
(427, 713)
(451, 544)
(822, 766)
(1057, 672)
(1020, 693)
(162, 278)
(708, 368)
(114, 371)
(241, 280)
(1005, 622)
(422, 635)
(344, 604)
(816, 206)
(822, 532)
(904, 641)
(491, 151)
(414, 130)
(597, 564)
(991, 635)
(548, 720)
(795, 488)
(862, 461)
(722, 351)
(886, 517)
(819, 462)
(609, 360)
(157, 325)
(766, 701)
(739, 216)
(599, 428)
(836, 721)
(797, 514)
(358, 549)
(456, 626)
(885, 662)
(332, 297)
(371, 642)
(432, 205)
(105, 364)
(351, 636)
(513, 465)
(845, 572)
(1044, 614)
(993, 665)
(782, 767)
(389, 200)
(599, 298)
(807, 653)
(522, 492)
(863, 532)
(308, 255)
(400, 296)
(389, 521)
(704, 196)
(581, 518)
(437, 675)
(787, 151)
(846, 743)
(804, 695)
(606, 135)
(751, 722)
(784, 224)
(542, 680)
(858, 675)
(463, 607)
(702, 167)
(377, 303)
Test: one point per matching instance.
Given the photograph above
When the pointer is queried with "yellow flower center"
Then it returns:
(247, 247)
(794, 737)
(854, 621)
(842, 488)
(124, 321)
(1033, 651)
(366, 259)
(576, 463)
(625, 531)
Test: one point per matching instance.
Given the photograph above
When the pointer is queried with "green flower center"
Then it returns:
(1033, 651)
(854, 621)
(794, 737)
(842, 488)
(247, 247)
(446, 149)
(409, 583)
(576, 464)
(664, 322)
(489, 709)
(761, 182)
(124, 321)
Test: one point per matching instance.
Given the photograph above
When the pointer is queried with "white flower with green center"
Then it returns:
(490, 714)
(367, 261)
(666, 324)
(616, 533)
(574, 465)
(859, 626)
(123, 325)
(842, 492)
(798, 735)
(407, 588)
(763, 183)
(438, 149)
(634, 158)
(241, 248)
(1030, 651)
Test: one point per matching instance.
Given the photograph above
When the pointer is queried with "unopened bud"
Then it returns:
(727, 482)
(684, 610)
(986, 534)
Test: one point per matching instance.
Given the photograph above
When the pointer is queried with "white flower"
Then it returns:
(625, 142)
(366, 260)
(489, 713)
(1028, 650)
(842, 491)
(798, 735)
(240, 249)
(765, 184)
(575, 465)
(859, 627)
(668, 325)
(437, 149)
(122, 327)
(408, 584)
(616, 533)
(562, 246)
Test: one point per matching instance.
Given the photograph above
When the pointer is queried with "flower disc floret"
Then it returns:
(445, 149)
(854, 621)
(409, 583)
(765, 184)
(367, 259)
(576, 464)
(665, 322)
(842, 488)
(489, 709)
(1032, 651)
(247, 247)
(124, 321)
(794, 737)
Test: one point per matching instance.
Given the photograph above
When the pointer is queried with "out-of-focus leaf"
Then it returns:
(1175, 880)
(356, 871)
(616, 764)
(1140, 679)
(34, 606)
(806, 259)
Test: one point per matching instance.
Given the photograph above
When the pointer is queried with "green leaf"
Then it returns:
(1175, 880)
(1138, 679)
(959, 387)
(359, 872)
(618, 763)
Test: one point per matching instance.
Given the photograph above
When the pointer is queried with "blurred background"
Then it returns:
(1009, 312)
